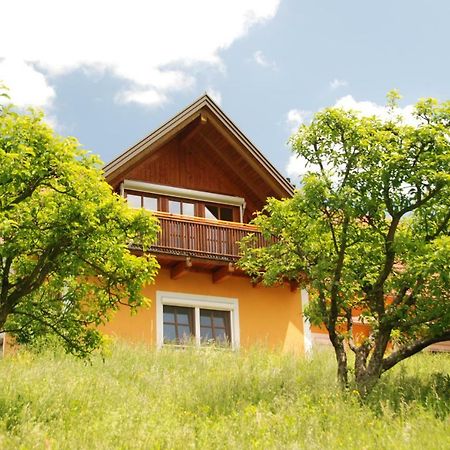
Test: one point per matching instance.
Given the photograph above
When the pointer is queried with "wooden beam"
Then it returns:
(196, 126)
(229, 166)
(223, 273)
(180, 269)
(263, 168)
(256, 282)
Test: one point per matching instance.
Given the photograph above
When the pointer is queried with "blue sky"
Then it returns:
(109, 72)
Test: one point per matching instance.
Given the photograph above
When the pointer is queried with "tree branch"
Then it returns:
(440, 228)
(422, 200)
(412, 349)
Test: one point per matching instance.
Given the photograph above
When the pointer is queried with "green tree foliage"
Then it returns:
(65, 261)
(367, 233)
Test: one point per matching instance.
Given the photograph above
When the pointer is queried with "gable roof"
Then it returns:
(204, 104)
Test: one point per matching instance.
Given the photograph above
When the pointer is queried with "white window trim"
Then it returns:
(197, 302)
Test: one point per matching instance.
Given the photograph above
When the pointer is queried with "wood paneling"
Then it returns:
(200, 158)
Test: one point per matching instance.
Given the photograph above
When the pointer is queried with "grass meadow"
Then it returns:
(214, 399)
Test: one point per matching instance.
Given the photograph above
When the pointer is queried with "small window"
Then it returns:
(226, 214)
(212, 212)
(145, 201)
(215, 212)
(174, 207)
(188, 209)
(181, 208)
(150, 203)
(134, 200)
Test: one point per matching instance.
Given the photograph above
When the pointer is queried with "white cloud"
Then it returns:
(368, 108)
(148, 97)
(262, 60)
(26, 85)
(336, 84)
(215, 95)
(295, 117)
(297, 166)
(150, 45)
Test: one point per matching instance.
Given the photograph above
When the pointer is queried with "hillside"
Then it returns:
(138, 398)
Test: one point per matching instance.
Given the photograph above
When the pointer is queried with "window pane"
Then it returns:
(205, 333)
(221, 335)
(211, 212)
(205, 318)
(215, 325)
(151, 203)
(184, 333)
(226, 214)
(178, 323)
(219, 321)
(183, 316)
(174, 207)
(169, 315)
(169, 333)
(134, 200)
(188, 209)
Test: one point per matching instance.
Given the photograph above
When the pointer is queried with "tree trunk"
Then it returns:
(342, 369)
(368, 372)
(366, 379)
(4, 312)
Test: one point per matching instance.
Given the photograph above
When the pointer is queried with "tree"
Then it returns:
(367, 233)
(65, 238)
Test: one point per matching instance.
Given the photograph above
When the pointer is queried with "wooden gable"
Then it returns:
(201, 149)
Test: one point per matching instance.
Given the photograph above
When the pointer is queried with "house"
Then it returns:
(204, 180)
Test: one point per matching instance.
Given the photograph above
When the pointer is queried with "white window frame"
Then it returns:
(197, 302)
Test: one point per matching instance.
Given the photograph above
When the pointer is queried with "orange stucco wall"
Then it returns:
(268, 316)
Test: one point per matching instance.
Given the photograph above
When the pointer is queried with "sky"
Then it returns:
(111, 71)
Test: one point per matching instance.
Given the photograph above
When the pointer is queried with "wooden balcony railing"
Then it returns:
(194, 236)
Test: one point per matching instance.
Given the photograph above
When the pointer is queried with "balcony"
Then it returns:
(202, 238)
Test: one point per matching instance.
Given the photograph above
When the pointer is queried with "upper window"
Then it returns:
(182, 201)
(137, 200)
(181, 207)
(219, 212)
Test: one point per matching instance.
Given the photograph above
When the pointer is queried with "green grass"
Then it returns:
(213, 399)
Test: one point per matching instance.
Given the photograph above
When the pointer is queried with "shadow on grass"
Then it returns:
(404, 391)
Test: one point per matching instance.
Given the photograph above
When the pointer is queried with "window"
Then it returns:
(181, 207)
(178, 324)
(214, 326)
(137, 200)
(219, 212)
(201, 319)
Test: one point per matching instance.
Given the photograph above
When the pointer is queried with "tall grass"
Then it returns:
(213, 399)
